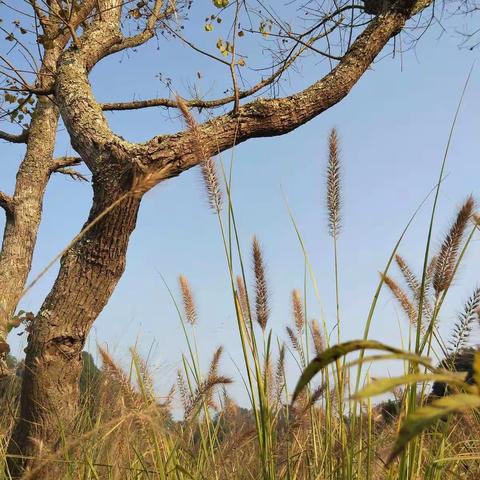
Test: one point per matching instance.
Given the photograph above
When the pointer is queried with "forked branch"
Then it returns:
(6, 202)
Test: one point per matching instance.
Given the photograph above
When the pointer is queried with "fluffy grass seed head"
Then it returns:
(188, 301)
(207, 163)
(448, 254)
(262, 308)
(333, 185)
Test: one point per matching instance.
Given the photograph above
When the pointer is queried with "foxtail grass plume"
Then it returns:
(280, 373)
(188, 302)
(117, 376)
(143, 181)
(262, 308)
(333, 185)
(297, 309)
(215, 362)
(207, 163)
(402, 298)
(463, 327)
(448, 255)
(269, 378)
(318, 341)
(410, 278)
(432, 265)
(185, 395)
(296, 344)
(144, 375)
(206, 389)
(242, 297)
(415, 286)
(293, 339)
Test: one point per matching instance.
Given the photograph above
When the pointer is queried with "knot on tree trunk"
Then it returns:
(67, 345)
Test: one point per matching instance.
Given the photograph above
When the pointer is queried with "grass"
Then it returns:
(326, 425)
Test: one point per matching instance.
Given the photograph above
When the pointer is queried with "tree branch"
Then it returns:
(72, 173)
(103, 33)
(6, 202)
(219, 102)
(63, 165)
(64, 162)
(12, 138)
(272, 117)
(139, 39)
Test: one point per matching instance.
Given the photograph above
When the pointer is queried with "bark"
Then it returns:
(25, 208)
(24, 217)
(89, 272)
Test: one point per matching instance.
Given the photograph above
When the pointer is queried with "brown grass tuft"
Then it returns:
(262, 309)
(447, 257)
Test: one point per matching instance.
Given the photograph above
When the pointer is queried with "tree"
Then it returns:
(72, 37)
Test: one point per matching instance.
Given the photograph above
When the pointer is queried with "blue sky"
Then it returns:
(393, 129)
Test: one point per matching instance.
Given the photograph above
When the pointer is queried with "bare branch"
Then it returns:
(12, 138)
(64, 162)
(63, 165)
(136, 40)
(6, 202)
(201, 104)
(72, 173)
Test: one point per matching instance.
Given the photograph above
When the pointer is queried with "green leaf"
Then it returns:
(334, 353)
(208, 27)
(426, 416)
(387, 384)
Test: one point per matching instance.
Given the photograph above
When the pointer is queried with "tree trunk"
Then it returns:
(89, 272)
(22, 224)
